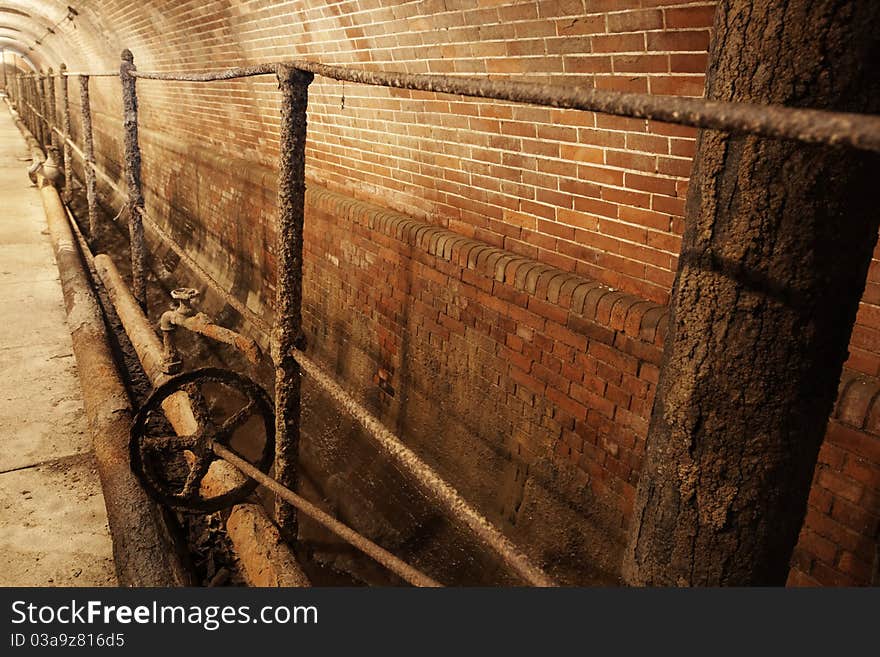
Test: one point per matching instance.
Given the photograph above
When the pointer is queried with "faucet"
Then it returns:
(185, 316)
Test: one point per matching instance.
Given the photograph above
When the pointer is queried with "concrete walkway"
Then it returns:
(53, 525)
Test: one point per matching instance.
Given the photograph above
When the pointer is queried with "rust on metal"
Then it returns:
(185, 316)
(259, 323)
(51, 110)
(133, 178)
(212, 76)
(89, 154)
(65, 137)
(264, 556)
(40, 86)
(92, 170)
(436, 487)
(202, 324)
(71, 74)
(142, 548)
(775, 121)
(30, 92)
(365, 545)
(146, 444)
(32, 102)
(177, 407)
(294, 85)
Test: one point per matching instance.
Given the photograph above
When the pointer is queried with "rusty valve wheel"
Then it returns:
(171, 467)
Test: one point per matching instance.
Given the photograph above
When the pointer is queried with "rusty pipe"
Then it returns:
(198, 322)
(178, 409)
(142, 548)
(203, 325)
(180, 414)
(428, 479)
(394, 564)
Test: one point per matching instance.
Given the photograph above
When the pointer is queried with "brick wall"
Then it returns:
(576, 201)
(838, 543)
(520, 362)
(591, 194)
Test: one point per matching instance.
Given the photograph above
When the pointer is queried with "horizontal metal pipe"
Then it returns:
(365, 545)
(179, 413)
(143, 549)
(35, 111)
(775, 121)
(141, 545)
(143, 338)
(805, 125)
(177, 408)
(69, 74)
(227, 74)
(419, 469)
(203, 325)
(436, 487)
(265, 557)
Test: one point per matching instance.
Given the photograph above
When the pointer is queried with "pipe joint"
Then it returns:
(185, 316)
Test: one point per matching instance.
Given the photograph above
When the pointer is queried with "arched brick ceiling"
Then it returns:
(24, 34)
(16, 59)
(14, 46)
(78, 43)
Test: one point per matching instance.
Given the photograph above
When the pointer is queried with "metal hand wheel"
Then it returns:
(171, 468)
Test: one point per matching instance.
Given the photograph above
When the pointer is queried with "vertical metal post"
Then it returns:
(32, 106)
(133, 178)
(41, 93)
(24, 100)
(36, 122)
(44, 108)
(294, 85)
(28, 100)
(65, 128)
(36, 128)
(51, 112)
(89, 152)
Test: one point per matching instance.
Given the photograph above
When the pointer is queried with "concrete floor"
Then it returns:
(53, 525)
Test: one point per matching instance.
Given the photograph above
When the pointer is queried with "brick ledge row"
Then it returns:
(584, 298)
(858, 401)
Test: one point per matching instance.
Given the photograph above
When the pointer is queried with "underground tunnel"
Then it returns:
(434, 293)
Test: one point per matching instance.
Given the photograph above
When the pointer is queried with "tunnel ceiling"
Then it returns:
(158, 32)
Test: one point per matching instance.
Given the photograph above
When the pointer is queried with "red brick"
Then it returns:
(860, 443)
(635, 21)
(819, 547)
(690, 17)
(840, 485)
